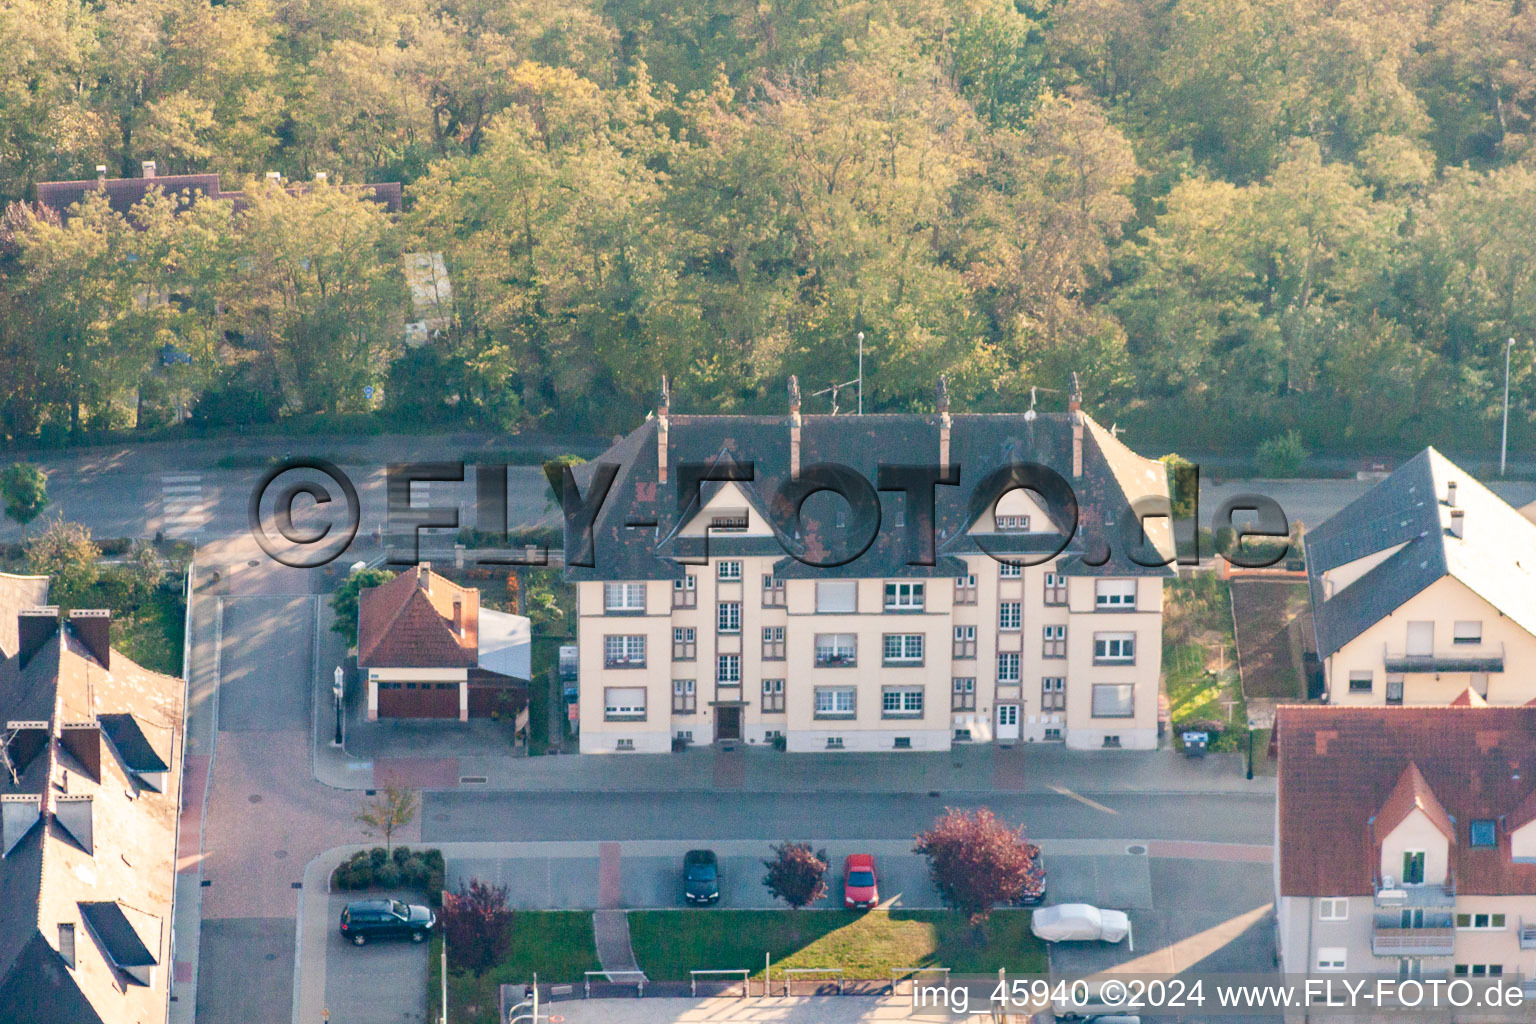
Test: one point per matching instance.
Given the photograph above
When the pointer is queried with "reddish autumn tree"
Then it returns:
(796, 875)
(977, 862)
(476, 923)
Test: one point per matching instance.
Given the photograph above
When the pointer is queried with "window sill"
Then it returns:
(904, 611)
(773, 657)
(618, 665)
(901, 664)
(623, 718)
(1120, 717)
(837, 664)
(908, 715)
(1114, 661)
(1114, 608)
(620, 613)
(836, 716)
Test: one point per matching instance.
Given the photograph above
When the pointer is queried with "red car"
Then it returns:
(860, 887)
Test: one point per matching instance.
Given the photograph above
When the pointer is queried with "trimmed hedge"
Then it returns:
(403, 868)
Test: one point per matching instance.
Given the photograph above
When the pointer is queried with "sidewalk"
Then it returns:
(970, 768)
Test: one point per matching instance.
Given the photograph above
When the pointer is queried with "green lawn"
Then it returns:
(670, 943)
(556, 944)
(1200, 657)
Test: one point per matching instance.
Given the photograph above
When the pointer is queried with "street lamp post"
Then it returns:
(1250, 749)
(1509, 347)
(336, 691)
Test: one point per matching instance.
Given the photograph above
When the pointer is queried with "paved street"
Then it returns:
(380, 983)
(487, 816)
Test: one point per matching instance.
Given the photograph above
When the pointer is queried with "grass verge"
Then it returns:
(555, 944)
(871, 944)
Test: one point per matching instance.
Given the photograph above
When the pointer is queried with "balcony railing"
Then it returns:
(1468, 658)
(1416, 896)
(1527, 936)
(1390, 938)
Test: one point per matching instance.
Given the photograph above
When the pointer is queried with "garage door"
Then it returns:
(418, 700)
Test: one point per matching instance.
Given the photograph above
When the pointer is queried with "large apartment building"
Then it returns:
(697, 625)
(1407, 841)
(1423, 589)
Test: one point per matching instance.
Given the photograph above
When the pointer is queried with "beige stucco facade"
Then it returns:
(1409, 927)
(686, 669)
(1427, 646)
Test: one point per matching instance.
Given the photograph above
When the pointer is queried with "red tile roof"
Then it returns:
(408, 623)
(1341, 767)
(1469, 698)
(1411, 794)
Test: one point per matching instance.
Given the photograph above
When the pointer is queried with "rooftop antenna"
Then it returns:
(835, 388)
(1034, 389)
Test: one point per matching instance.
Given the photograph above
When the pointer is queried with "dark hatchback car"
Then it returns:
(1033, 893)
(363, 920)
(701, 877)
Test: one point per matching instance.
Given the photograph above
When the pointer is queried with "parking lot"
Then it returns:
(384, 982)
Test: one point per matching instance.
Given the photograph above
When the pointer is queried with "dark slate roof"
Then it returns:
(635, 533)
(39, 988)
(131, 744)
(17, 593)
(1496, 558)
(116, 935)
(125, 193)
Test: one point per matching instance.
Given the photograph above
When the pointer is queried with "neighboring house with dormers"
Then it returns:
(744, 643)
(1407, 841)
(429, 650)
(90, 797)
(1423, 588)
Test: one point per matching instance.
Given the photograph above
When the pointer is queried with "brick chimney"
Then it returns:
(83, 741)
(942, 401)
(794, 427)
(147, 168)
(34, 627)
(1075, 411)
(101, 172)
(93, 628)
(663, 425)
(424, 576)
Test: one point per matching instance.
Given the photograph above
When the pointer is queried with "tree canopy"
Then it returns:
(1234, 217)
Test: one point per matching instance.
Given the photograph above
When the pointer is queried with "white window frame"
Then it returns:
(1113, 711)
(1010, 616)
(1333, 908)
(1115, 595)
(837, 597)
(728, 571)
(903, 596)
(835, 702)
(1008, 668)
(623, 597)
(616, 708)
(773, 643)
(773, 696)
(962, 691)
(728, 669)
(685, 591)
(901, 702)
(624, 650)
(1114, 648)
(1053, 641)
(841, 646)
(728, 617)
(1331, 958)
(965, 589)
(907, 648)
(1467, 632)
(1053, 693)
(1055, 588)
(684, 697)
(1010, 570)
(1487, 924)
(685, 643)
(1011, 523)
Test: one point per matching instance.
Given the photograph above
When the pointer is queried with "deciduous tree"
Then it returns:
(976, 861)
(796, 874)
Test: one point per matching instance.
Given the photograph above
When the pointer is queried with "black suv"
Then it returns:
(701, 877)
(385, 919)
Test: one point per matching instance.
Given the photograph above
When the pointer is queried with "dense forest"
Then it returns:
(1233, 217)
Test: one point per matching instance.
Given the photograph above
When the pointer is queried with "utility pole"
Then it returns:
(1504, 442)
(861, 376)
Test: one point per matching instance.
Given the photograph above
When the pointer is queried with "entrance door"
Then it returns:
(1007, 721)
(727, 723)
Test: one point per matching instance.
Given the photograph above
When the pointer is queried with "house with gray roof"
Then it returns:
(90, 799)
(1424, 592)
(767, 580)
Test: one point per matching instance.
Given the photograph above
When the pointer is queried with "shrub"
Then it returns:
(475, 922)
(401, 855)
(387, 877)
(377, 856)
(1281, 455)
(796, 874)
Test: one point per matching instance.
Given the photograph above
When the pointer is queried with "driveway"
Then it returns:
(380, 983)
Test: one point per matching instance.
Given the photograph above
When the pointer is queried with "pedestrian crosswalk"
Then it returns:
(183, 510)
